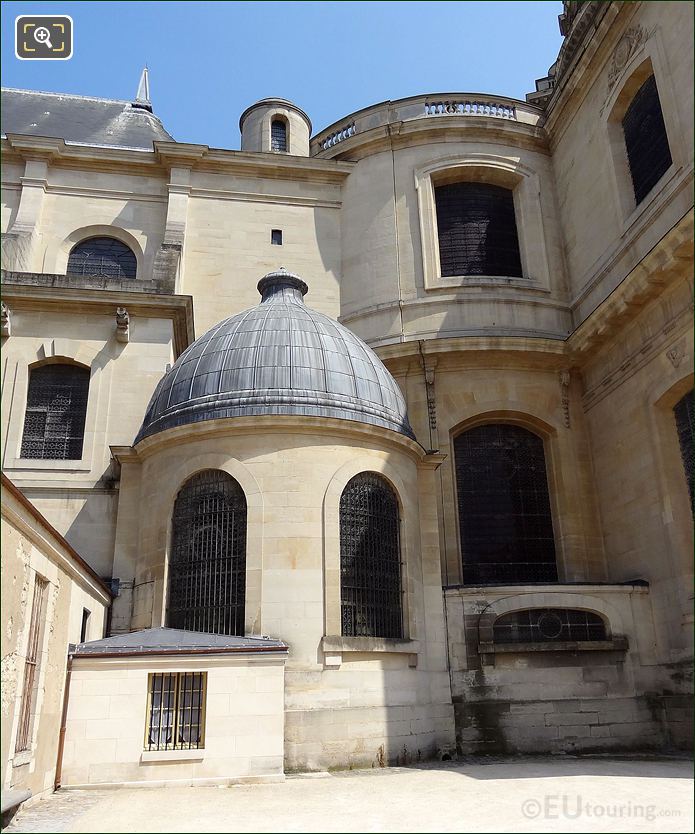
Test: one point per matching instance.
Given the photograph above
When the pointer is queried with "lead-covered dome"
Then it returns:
(280, 357)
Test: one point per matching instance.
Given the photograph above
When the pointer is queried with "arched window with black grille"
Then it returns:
(505, 521)
(103, 257)
(370, 563)
(207, 564)
(476, 226)
(685, 418)
(549, 625)
(56, 412)
(278, 135)
(646, 142)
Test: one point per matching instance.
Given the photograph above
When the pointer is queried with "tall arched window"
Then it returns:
(646, 142)
(102, 256)
(477, 233)
(503, 505)
(207, 566)
(370, 563)
(278, 135)
(685, 419)
(56, 412)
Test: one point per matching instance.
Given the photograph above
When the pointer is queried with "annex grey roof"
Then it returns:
(81, 119)
(280, 357)
(174, 641)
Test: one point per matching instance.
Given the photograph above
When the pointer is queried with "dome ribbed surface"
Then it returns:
(280, 357)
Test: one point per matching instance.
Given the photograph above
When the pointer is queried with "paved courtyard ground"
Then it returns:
(543, 794)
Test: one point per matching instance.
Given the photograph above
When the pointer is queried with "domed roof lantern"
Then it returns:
(278, 358)
(281, 281)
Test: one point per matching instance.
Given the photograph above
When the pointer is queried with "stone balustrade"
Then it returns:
(425, 107)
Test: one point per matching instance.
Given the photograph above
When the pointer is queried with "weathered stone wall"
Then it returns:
(29, 549)
(78, 496)
(566, 698)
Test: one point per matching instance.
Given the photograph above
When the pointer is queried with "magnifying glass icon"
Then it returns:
(42, 35)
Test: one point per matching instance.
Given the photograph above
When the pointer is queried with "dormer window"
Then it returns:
(278, 135)
(476, 226)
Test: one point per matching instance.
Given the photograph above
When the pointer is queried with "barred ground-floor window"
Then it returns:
(176, 711)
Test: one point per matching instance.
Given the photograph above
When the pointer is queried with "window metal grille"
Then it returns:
(370, 563)
(549, 625)
(278, 135)
(477, 230)
(646, 142)
(56, 412)
(176, 711)
(102, 256)
(207, 569)
(685, 425)
(31, 665)
(504, 512)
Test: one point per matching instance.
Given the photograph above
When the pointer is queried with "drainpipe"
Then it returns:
(63, 724)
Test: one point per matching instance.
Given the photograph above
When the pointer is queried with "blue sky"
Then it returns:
(209, 61)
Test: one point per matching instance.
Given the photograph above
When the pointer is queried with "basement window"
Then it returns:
(176, 711)
(276, 237)
(549, 625)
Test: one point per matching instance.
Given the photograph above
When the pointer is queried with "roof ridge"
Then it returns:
(65, 95)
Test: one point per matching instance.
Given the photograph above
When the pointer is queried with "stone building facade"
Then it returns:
(511, 383)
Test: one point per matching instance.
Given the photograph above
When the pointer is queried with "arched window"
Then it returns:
(549, 625)
(278, 135)
(102, 256)
(370, 563)
(56, 412)
(646, 142)
(207, 566)
(683, 412)
(476, 226)
(504, 513)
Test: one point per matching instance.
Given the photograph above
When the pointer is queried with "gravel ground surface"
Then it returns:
(517, 795)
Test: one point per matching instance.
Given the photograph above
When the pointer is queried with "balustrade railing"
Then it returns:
(332, 139)
(467, 107)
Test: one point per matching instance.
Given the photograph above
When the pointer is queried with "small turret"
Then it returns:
(275, 125)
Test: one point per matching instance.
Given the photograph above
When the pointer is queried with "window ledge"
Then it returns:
(617, 644)
(369, 644)
(448, 282)
(48, 464)
(334, 646)
(172, 755)
(23, 758)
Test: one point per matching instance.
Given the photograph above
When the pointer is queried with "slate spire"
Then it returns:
(142, 98)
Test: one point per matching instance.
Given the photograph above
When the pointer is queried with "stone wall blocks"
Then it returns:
(572, 718)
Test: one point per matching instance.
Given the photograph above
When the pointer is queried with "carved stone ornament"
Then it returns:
(676, 354)
(5, 322)
(431, 398)
(564, 378)
(630, 42)
(122, 325)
